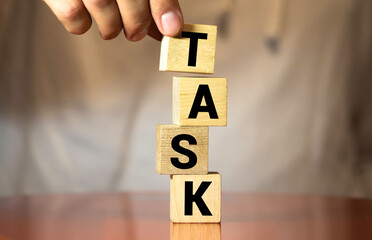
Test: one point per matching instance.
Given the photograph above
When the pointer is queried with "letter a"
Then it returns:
(203, 92)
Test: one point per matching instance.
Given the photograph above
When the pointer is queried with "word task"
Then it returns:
(182, 148)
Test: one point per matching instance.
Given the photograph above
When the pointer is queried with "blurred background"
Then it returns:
(79, 114)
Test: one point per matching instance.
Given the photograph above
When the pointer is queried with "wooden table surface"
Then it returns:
(146, 216)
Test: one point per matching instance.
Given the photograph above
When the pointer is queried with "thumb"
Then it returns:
(168, 16)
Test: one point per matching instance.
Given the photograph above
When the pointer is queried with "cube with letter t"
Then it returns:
(192, 51)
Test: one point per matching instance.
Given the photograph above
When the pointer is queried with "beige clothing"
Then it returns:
(79, 114)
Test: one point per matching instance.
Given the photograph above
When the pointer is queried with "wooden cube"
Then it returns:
(192, 51)
(200, 101)
(193, 231)
(195, 198)
(182, 150)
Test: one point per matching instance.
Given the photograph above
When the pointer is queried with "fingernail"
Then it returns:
(171, 23)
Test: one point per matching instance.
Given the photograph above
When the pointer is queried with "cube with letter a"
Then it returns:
(199, 101)
(195, 198)
(192, 51)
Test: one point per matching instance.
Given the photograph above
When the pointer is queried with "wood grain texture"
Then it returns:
(184, 92)
(164, 150)
(174, 52)
(195, 231)
(211, 197)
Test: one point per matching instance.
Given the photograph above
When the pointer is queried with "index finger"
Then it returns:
(72, 14)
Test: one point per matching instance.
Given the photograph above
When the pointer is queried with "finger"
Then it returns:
(168, 16)
(107, 15)
(136, 17)
(154, 32)
(72, 14)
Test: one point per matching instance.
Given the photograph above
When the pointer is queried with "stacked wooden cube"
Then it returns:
(182, 148)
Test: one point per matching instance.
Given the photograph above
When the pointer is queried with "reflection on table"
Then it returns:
(146, 216)
(189, 231)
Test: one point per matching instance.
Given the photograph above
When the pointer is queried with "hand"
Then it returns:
(137, 17)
